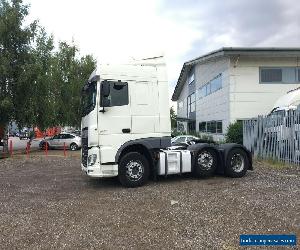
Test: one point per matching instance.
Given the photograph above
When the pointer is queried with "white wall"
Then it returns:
(182, 113)
(216, 105)
(249, 98)
(241, 96)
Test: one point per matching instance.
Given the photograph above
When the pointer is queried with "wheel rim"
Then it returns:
(73, 147)
(237, 162)
(205, 160)
(134, 170)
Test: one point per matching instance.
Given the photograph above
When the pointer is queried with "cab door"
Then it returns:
(114, 122)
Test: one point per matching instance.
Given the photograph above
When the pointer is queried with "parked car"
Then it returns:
(72, 141)
(183, 139)
(77, 132)
(23, 135)
(11, 134)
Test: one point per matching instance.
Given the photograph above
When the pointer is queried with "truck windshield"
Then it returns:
(88, 98)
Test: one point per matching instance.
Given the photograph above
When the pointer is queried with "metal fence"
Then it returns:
(274, 137)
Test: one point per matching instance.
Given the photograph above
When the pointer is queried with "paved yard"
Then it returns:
(49, 203)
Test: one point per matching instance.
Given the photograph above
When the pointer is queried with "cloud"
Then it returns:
(236, 23)
(116, 30)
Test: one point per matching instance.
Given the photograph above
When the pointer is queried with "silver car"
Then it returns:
(183, 139)
(70, 140)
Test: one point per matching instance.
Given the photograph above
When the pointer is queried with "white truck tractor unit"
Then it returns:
(126, 129)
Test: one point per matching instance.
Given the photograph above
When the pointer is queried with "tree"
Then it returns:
(173, 117)
(39, 86)
(235, 133)
(70, 72)
(35, 84)
(15, 39)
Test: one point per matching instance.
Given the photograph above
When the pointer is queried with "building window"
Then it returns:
(211, 87)
(191, 101)
(202, 127)
(211, 127)
(219, 127)
(191, 77)
(216, 84)
(270, 75)
(279, 75)
(214, 127)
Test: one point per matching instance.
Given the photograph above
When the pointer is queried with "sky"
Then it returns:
(116, 31)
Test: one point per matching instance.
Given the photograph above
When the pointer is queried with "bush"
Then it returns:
(235, 133)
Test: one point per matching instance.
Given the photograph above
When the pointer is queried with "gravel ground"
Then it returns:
(50, 204)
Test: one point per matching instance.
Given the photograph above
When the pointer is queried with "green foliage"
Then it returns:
(235, 132)
(15, 39)
(39, 85)
(173, 117)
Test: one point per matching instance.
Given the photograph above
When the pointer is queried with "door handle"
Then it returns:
(126, 130)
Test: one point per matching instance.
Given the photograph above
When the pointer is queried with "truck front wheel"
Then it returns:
(133, 170)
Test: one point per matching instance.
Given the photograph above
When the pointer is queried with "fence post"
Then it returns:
(65, 149)
(10, 148)
(46, 148)
(27, 149)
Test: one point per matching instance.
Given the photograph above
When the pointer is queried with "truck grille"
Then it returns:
(84, 148)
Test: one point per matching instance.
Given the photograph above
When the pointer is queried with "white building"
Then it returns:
(232, 84)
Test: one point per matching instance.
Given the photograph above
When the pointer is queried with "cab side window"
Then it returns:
(118, 94)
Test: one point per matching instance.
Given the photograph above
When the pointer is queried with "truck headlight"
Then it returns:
(92, 159)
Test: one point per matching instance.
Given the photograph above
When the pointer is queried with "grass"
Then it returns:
(274, 163)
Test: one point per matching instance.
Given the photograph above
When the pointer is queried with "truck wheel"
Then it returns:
(133, 170)
(236, 163)
(205, 163)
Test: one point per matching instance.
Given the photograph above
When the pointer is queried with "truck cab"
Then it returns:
(124, 106)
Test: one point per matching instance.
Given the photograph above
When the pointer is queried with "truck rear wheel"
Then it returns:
(205, 163)
(236, 163)
(133, 170)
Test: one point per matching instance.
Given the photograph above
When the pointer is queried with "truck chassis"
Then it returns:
(136, 163)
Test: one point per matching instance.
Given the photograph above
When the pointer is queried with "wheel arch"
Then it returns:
(141, 148)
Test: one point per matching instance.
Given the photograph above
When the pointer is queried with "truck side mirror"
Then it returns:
(104, 93)
(105, 89)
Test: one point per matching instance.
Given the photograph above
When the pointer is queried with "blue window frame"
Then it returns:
(211, 87)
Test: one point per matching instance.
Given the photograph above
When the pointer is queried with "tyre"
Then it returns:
(133, 170)
(205, 162)
(73, 146)
(236, 163)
